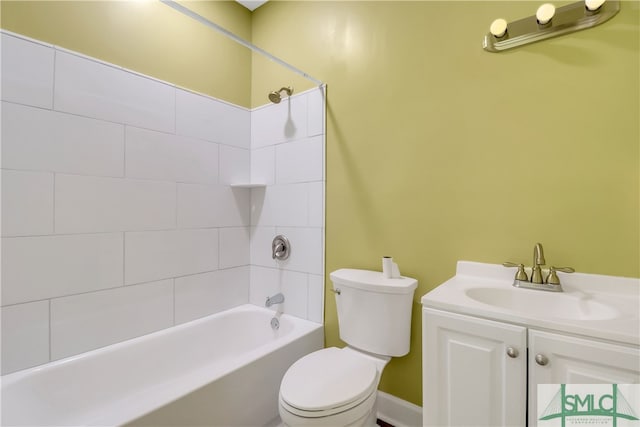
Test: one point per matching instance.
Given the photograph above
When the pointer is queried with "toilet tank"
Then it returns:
(374, 313)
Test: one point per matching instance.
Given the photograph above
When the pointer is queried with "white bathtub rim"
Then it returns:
(135, 405)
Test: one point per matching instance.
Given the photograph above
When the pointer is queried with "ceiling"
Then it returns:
(252, 4)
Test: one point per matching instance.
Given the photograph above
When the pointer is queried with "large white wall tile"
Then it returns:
(35, 268)
(154, 255)
(27, 72)
(25, 336)
(96, 204)
(212, 206)
(84, 322)
(37, 139)
(316, 298)
(204, 294)
(306, 249)
(27, 203)
(300, 161)
(236, 284)
(93, 89)
(261, 240)
(280, 205)
(234, 247)
(162, 156)
(266, 282)
(206, 118)
(316, 204)
(235, 165)
(316, 111)
(278, 123)
(263, 165)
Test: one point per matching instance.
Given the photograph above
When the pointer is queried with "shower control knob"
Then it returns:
(541, 359)
(280, 248)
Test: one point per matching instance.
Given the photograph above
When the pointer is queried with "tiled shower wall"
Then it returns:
(117, 215)
(287, 154)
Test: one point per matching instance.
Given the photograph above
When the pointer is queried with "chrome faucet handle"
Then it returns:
(520, 274)
(280, 248)
(552, 277)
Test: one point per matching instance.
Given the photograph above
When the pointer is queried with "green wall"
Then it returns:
(148, 37)
(438, 151)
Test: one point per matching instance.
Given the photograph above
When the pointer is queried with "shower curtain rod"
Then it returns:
(205, 21)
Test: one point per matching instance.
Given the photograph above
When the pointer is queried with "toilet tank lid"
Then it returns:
(373, 281)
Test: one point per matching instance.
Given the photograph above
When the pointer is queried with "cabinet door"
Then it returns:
(469, 379)
(572, 360)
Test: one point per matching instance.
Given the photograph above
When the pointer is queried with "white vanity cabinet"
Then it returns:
(568, 359)
(487, 345)
(476, 371)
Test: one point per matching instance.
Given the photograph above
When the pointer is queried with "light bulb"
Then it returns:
(545, 13)
(593, 5)
(498, 28)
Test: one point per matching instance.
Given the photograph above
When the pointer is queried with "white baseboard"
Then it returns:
(398, 412)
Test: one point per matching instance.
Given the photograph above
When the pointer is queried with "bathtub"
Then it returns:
(224, 369)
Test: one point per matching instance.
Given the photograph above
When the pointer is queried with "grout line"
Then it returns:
(158, 230)
(112, 288)
(161, 230)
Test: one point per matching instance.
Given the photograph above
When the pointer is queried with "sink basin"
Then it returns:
(544, 304)
(593, 305)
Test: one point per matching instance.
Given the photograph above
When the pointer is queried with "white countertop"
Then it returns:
(615, 300)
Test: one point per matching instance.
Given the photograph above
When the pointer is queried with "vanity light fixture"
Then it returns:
(498, 28)
(545, 13)
(549, 22)
(593, 6)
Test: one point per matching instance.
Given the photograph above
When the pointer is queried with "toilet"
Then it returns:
(339, 386)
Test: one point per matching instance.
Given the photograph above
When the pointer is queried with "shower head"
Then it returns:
(275, 96)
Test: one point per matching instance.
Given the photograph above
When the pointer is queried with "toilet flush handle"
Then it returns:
(336, 291)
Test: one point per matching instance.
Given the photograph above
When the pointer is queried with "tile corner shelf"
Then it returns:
(249, 185)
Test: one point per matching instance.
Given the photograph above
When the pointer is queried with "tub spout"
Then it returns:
(276, 299)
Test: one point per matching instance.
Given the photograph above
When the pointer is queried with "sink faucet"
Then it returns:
(276, 299)
(537, 281)
(538, 260)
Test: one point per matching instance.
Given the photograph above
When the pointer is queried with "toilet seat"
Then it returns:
(328, 382)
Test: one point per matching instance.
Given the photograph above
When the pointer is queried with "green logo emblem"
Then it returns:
(587, 405)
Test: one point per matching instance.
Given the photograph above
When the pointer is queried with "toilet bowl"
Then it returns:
(344, 391)
(339, 386)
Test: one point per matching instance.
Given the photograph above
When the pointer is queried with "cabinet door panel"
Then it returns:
(469, 380)
(573, 360)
